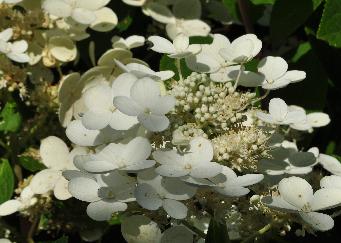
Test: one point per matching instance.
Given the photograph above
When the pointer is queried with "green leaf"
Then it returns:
(233, 10)
(6, 181)
(167, 63)
(288, 15)
(124, 24)
(115, 220)
(217, 232)
(200, 39)
(330, 28)
(330, 148)
(10, 118)
(31, 164)
(301, 51)
(257, 2)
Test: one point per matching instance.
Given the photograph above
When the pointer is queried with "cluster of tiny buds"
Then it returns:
(210, 102)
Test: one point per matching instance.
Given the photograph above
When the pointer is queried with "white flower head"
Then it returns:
(275, 71)
(57, 158)
(281, 114)
(129, 157)
(242, 49)
(101, 111)
(196, 162)
(147, 104)
(82, 11)
(14, 51)
(142, 71)
(235, 186)
(154, 192)
(180, 48)
(296, 195)
(106, 193)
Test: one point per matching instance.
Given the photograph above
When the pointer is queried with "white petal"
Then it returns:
(54, 153)
(171, 171)
(103, 210)
(98, 98)
(203, 62)
(177, 189)
(19, 46)
(10, 207)
(296, 191)
(6, 34)
(332, 181)
(79, 135)
(265, 117)
(145, 92)
(330, 163)
(160, 12)
(84, 189)
(326, 198)
(279, 203)
(96, 120)
(233, 191)
(177, 234)
(206, 170)
(302, 159)
(62, 48)
(278, 109)
(127, 105)
(181, 42)
(92, 5)
(137, 150)
(99, 166)
(318, 119)
(44, 181)
(153, 123)
(57, 8)
(134, 41)
(161, 45)
(61, 191)
(120, 121)
(18, 57)
(83, 16)
(175, 209)
(249, 179)
(272, 67)
(122, 84)
(201, 150)
(147, 197)
(318, 221)
(106, 20)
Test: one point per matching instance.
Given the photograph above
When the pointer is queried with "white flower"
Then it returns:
(242, 49)
(146, 103)
(101, 111)
(275, 71)
(24, 201)
(142, 71)
(130, 157)
(82, 11)
(209, 60)
(234, 186)
(130, 42)
(154, 192)
(281, 114)
(296, 195)
(106, 193)
(330, 163)
(136, 3)
(180, 47)
(56, 157)
(311, 121)
(196, 162)
(14, 51)
(3, 240)
(190, 27)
